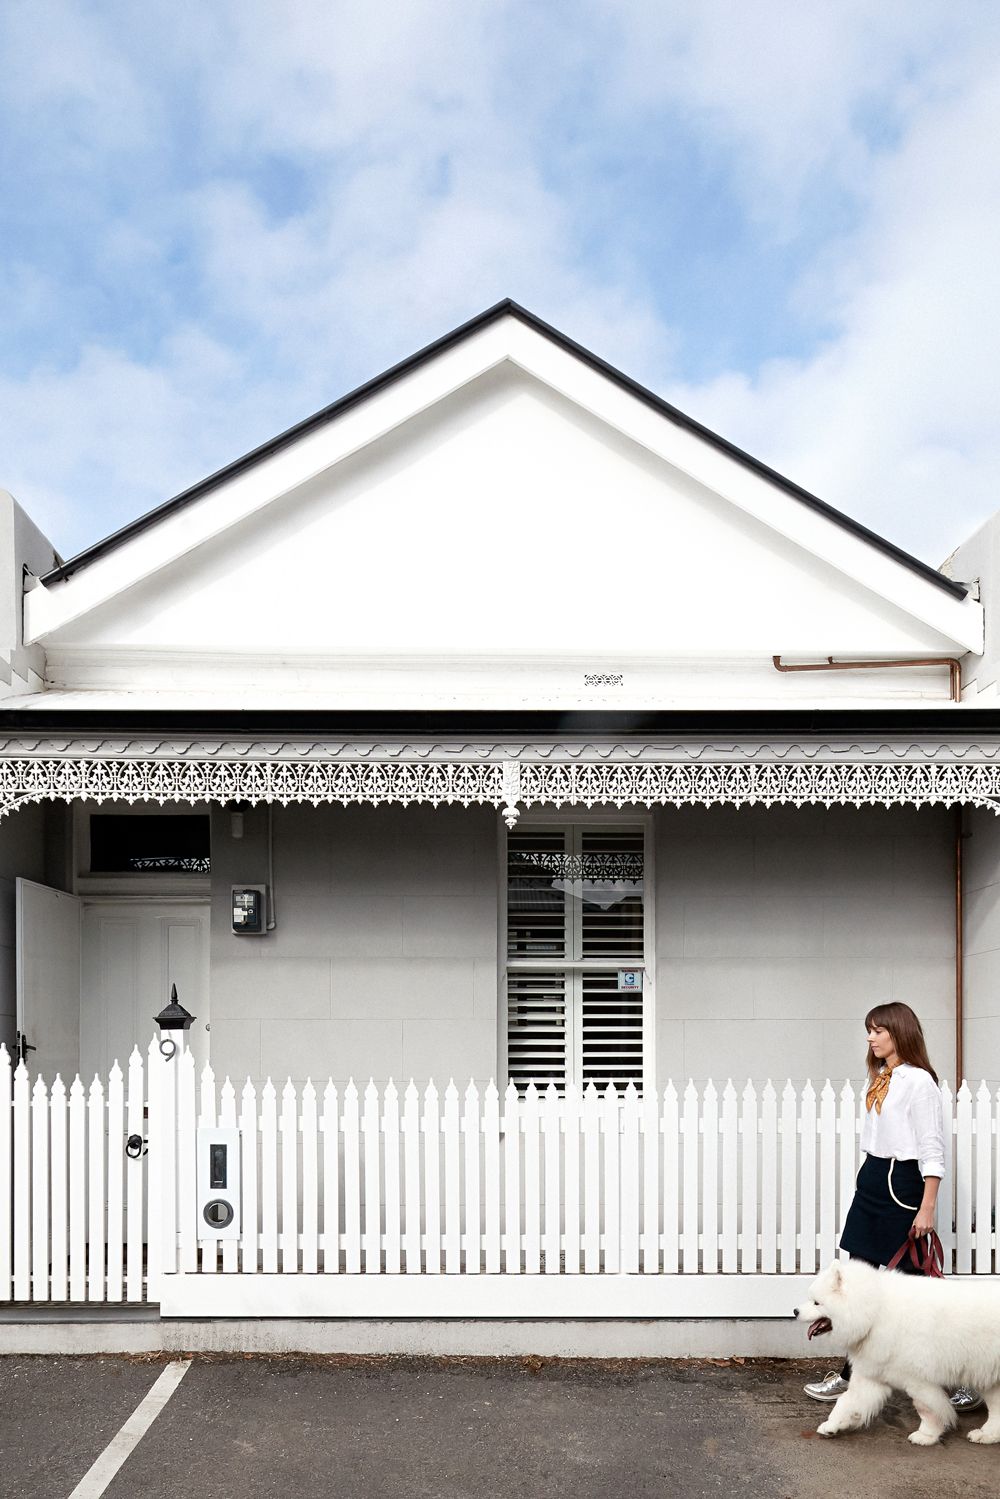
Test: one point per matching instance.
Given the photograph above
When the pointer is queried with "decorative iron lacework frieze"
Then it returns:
(509, 785)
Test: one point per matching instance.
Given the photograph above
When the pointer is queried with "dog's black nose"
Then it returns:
(795, 1311)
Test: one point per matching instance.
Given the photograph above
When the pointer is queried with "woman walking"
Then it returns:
(903, 1141)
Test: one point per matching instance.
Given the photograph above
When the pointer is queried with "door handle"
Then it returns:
(24, 1046)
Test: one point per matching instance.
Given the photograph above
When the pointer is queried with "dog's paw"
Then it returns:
(982, 1435)
(923, 1438)
(827, 1429)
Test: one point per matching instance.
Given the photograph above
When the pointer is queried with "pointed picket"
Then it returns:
(58, 1142)
(77, 1193)
(551, 1185)
(22, 1184)
(116, 1183)
(984, 1181)
(491, 1179)
(591, 1181)
(631, 1176)
(807, 1180)
(769, 1180)
(432, 1181)
(39, 1191)
(690, 1125)
(710, 1181)
(207, 1119)
(789, 1162)
(827, 1174)
(288, 1130)
(650, 1183)
(160, 1172)
(452, 1182)
(6, 1175)
(181, 1072)
(612, 1180)
(135, 1176)
(749, 1179)
(372, 1137)
(95, 1192)
(352, 1180)
(947, 1195)
(532, 1181)
(227, 1120)
(330, 1128)
(729, 1132)
(412, 1230)
(670, 1133)
(847, 1137)
(471, 1134)
(511, 1182)
(572, 1120)
(250, 1235)
(963, 1180)
(393, 1211)
(269, 1179)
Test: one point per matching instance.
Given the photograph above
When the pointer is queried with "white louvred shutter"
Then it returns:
(575, 903)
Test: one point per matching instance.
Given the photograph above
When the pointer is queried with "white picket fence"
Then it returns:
(383, 1183)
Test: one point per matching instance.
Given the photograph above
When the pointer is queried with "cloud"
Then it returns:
(892, 417)
(225, 216)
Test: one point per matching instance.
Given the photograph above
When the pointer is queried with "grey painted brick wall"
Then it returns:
(981, 869)
(383, 961)
(776, 929)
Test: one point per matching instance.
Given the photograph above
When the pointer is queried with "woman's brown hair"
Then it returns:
(907, 1037)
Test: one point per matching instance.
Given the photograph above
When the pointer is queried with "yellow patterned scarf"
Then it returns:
(879, 1088)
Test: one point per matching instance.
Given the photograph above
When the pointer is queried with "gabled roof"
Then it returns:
(506, 308)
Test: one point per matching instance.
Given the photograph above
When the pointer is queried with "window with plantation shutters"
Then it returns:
(575, 917)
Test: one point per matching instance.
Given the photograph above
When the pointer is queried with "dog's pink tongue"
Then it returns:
(821, 1325)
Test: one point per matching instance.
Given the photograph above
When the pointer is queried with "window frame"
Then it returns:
(576, 817)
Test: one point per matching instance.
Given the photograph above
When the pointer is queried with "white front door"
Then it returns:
(48, 979)
(133, 951)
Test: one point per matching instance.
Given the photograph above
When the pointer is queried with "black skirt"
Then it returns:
(888, 1195)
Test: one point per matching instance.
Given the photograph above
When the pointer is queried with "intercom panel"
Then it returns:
(218, 1183)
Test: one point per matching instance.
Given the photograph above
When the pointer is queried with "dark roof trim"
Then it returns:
(474, 325)
(950, 722)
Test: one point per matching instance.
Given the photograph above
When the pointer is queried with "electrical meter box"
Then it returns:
(250, 910)
(218, 1183)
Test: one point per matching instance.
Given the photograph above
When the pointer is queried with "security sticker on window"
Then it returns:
(630, 979)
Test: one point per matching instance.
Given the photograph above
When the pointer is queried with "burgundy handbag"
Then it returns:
(926, 1255)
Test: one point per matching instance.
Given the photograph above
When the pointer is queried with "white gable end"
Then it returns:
(496, 546)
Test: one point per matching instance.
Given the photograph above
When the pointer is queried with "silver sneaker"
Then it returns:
(830, 1387)
(964, 1400)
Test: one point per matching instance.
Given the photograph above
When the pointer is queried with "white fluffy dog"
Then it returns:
(905, 1332)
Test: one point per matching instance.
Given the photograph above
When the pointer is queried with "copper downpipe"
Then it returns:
(959, 962)
(953, 664)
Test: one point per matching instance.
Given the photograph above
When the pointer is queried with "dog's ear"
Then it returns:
(836, 1275)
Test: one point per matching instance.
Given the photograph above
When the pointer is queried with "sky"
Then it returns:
(783, 216)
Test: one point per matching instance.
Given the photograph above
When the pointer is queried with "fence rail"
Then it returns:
(383, 1182)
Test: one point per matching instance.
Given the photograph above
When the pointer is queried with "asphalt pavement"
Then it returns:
(357, 1428)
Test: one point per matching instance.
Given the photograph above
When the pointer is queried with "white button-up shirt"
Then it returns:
(911, 1124)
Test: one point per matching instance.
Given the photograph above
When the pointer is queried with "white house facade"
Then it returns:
(500, 724)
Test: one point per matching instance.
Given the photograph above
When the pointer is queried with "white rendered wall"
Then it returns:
(981, 879)
(464, 560)
(978, 561)
(776, 930)
(384, 958)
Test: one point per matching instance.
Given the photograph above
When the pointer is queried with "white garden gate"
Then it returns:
(430, 1203)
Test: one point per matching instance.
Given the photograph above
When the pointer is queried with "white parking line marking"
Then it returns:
(96, 1479)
